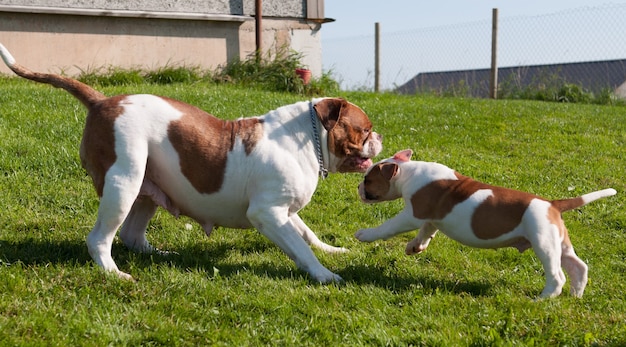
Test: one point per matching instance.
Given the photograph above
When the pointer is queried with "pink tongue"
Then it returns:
(364, 162)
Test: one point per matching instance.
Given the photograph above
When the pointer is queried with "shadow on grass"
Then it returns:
(31, 252)
(392, 281)
(209, 256)
(35, 252)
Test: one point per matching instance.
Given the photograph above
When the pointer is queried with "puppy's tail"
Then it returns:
(87, 95)
(570, 204)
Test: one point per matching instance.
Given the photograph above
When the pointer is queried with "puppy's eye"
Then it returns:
(370, 196)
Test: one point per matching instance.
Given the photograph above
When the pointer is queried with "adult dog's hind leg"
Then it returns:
(122, 184)
(309, 236)
(133, 232)
(274, 223)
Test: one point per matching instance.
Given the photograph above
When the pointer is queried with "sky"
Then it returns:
(354, 20)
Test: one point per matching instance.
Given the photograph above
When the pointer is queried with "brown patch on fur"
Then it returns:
(521, 243)
(568, 204)
(97, 148)
(436, 199)
(84, 93)
(554, 216)
(203, 142)
(499, 213)
(495, 216)
(347, 125)
(328, 110)
(377, 181)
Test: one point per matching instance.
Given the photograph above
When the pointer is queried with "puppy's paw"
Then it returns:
(414, 247)
(411, 249)
(366, 235)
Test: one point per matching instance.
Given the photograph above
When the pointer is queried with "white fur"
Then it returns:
(6, 56)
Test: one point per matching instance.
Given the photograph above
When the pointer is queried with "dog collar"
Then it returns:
(323, 172)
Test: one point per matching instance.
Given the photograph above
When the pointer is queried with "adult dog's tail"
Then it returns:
(570, 204)
(87, 95)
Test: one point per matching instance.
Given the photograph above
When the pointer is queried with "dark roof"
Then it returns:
(592, 76)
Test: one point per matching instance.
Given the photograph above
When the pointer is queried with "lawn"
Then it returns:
(238, 289)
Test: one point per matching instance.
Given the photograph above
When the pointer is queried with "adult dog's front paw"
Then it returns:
(325, 276)
(366, 235)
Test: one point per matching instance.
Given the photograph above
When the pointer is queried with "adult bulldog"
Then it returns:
(144, 151)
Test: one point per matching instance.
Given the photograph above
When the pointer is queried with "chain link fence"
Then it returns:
(581, 35)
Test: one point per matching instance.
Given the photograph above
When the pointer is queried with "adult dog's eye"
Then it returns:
(367, 137)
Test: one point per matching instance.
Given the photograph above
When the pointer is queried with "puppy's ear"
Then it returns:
(388, 170)
(403, 156)
(328, 111)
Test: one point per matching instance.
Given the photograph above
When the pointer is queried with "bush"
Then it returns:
(277, 74)
(573, 93)
(171, 74)
(112, 77)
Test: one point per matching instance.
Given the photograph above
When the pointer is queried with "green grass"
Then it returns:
(238, 289)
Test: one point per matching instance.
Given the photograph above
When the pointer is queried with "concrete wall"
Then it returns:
(271, 8)
(71, 36)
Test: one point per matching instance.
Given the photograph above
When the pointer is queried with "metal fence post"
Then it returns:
(377, 57)
(493, 82)
(258, 28)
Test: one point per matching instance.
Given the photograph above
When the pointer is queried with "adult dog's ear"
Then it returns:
(329, 110)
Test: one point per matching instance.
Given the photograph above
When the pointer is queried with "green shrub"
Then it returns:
(278, 74)
(325, 85)
(172, 74)
(573, 93)
(273, 74)
(112, 76)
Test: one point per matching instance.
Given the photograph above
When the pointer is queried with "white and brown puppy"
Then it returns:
(475, 214)
(144, 151)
